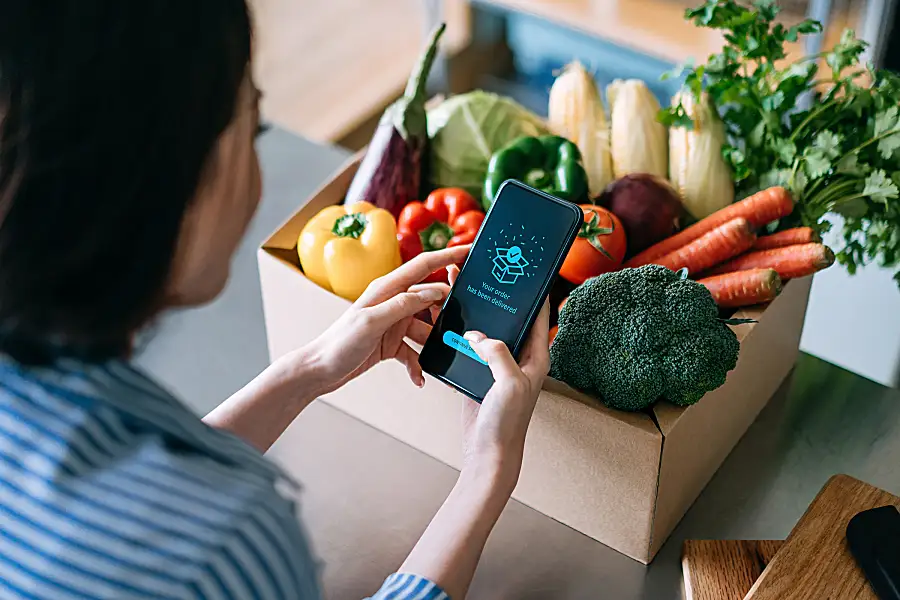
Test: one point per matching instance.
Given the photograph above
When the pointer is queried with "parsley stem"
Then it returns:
(810, 117)
(871, 141)
(809, 58)
(827, 196)
(845, 199)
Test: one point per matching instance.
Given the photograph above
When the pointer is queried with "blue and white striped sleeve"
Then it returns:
(266, 558)
(405, 586)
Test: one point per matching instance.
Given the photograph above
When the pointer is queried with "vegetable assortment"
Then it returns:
(829, 133)
(664, 253)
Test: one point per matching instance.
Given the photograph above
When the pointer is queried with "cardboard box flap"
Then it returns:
(333, 192)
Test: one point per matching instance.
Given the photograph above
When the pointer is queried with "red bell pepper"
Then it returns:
(448, 217)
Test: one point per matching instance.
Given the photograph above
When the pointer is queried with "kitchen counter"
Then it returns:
(364, 514)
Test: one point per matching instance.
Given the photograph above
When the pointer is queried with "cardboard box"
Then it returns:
(624, 479)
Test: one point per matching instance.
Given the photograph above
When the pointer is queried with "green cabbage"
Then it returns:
(466, 130)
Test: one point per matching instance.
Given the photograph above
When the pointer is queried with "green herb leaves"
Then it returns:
(839, 156)
(887, 132)
(879, 187)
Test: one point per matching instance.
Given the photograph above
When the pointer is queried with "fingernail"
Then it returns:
(430, 295)
(421, 382)
(474, 336)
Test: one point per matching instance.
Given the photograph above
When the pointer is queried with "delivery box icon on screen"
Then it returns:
(509, 265)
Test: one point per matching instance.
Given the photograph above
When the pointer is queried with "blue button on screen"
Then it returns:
(460, 344)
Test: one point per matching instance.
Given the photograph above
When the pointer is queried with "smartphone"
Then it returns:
(499, 291)
(874, 540)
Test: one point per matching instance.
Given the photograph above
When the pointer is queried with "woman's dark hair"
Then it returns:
(109, 113)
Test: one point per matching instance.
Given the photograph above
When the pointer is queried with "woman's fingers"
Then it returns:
(418, 331)
(452, 274)
(410, 359)
(495, 354)
(411, 273)
(535, 357)
(404, 305)
(443, 287)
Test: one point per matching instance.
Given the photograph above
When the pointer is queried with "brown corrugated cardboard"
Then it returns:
(625, 479)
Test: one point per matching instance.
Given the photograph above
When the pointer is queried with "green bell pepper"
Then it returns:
(549, 163)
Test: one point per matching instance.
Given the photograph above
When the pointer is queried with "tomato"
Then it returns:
(599, 247)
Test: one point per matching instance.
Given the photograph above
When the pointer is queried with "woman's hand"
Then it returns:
(494, 441)
(372, 330)
(375, 327)
(494, 431)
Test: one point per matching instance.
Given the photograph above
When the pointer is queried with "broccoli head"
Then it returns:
(637, 335)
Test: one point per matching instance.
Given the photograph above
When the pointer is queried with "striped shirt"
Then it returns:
(111, 488)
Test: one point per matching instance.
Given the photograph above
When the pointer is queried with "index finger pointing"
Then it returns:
(411, 273)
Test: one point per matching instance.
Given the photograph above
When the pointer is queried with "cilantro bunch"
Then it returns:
(831, 138)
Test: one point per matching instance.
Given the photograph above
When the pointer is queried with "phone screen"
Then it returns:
(499, 291)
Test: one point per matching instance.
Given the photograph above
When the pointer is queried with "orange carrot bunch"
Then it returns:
(737, 267)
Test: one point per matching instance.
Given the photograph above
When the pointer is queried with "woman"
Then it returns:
(127, 178)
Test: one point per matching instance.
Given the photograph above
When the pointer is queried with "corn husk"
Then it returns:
(639, 142)
(696, 166)
(576, 112)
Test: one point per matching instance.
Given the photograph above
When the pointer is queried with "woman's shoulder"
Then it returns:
(82, 420)
(114, 468)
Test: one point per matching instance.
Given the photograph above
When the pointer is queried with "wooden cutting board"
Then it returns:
(815, 562)
(724, 569)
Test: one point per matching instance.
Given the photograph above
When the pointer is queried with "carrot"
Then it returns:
(788, 237)
(743, 288)
(759, 209)
(718, 245)
(790, 262)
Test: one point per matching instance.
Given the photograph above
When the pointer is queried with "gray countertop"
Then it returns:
(364, 516)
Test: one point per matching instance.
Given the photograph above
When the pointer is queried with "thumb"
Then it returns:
(403, 305)
(496, 354)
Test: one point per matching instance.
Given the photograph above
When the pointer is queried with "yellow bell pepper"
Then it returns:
(344, 248)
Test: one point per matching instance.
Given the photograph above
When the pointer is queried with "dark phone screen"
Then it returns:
(523, 240)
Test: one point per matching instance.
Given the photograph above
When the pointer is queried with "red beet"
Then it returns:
(648, 207)
(390, 175)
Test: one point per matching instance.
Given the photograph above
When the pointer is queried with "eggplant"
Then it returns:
(390, 175)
